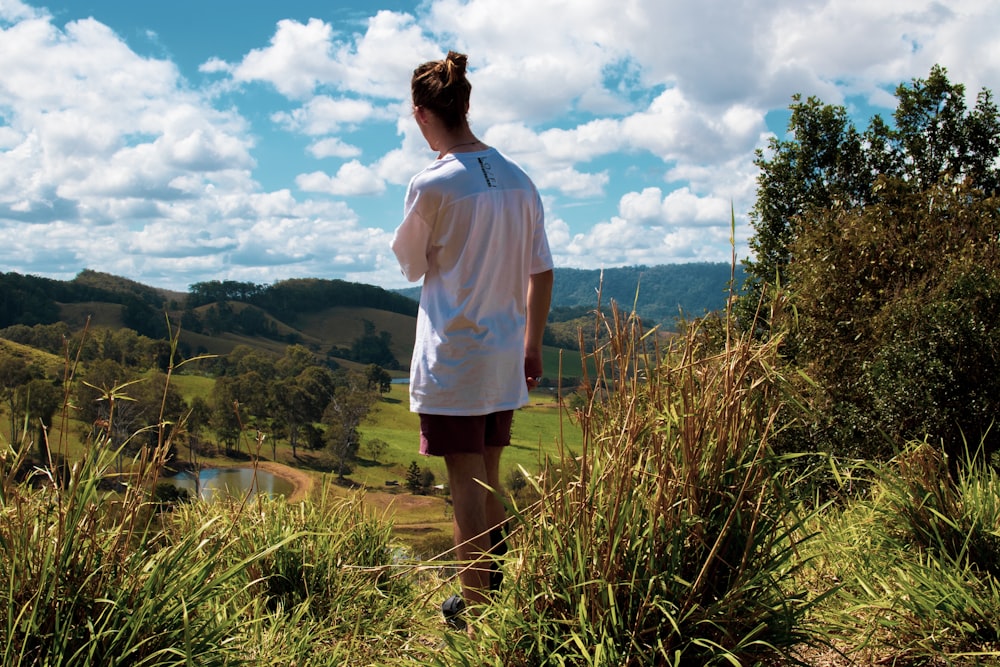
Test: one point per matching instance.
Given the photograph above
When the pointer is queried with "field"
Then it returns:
(538, 429)
(536, 432)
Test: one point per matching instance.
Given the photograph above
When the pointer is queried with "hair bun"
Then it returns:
(441, 86)
(456, 64)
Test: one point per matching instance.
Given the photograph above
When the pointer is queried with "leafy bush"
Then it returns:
(888, 242)
(896, 306)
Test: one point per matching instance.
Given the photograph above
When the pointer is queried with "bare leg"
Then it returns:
(466, 475)
(496, 515)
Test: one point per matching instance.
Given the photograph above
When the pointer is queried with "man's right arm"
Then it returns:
(409, 244)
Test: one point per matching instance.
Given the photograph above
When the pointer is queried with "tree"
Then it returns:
(37, 402)
(225, 418)
(292, 410)
(372, 348)
(379, 378)
(14, 372)
(257, 401)
(938, 141)
(376, 448)
(198, 417)
(27, 300)
(313, 436)
(301, 400)
(827, 164)
(160, 408)
(426, 478)
(143, 318)
(413, 482)
(824, 162)
(296, 359)
(245, 359)
(886, 244)
(351, 402)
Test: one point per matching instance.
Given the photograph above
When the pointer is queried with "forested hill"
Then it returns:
(30, 300)
(660, 293)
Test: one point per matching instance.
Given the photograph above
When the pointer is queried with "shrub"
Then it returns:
(896, 305)
(668, 539)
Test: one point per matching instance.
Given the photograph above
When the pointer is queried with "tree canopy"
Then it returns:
(887, 245)
(826, 162)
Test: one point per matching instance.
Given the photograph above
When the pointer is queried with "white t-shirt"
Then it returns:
(473, 228)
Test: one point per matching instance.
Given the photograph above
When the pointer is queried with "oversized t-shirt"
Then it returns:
(473, 229)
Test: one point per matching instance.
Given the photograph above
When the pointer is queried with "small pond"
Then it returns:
(212, 483)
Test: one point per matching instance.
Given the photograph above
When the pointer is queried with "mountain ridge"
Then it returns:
(660, 294)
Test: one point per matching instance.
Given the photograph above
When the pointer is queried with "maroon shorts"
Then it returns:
(446, 434)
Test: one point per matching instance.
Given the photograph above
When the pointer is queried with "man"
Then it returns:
(473, 229)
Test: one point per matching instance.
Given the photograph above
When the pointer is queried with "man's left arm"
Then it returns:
(539, 301)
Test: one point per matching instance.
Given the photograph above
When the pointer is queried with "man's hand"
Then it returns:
(532, 368)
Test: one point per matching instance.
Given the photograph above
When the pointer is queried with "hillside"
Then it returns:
(52, 365)
(349, 322)
(660, 294)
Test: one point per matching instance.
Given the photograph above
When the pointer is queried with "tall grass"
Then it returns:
(671, 535)
(88, 580)
(669, 538)
(94, 572)
(919, 558)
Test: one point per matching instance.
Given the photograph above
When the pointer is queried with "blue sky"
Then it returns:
(185, 141)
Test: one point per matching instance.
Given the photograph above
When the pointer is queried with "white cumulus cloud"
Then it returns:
(288, 155)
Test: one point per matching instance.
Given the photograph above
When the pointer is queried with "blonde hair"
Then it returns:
(441, 86)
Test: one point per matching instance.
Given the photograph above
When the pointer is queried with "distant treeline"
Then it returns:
(30, 300)
(659, 293)
(288, 299)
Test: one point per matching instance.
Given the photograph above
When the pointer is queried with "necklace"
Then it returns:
(464, 143)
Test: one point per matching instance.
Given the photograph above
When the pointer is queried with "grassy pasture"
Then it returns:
(341, 326)
(536, 433)
(100, 314)
(192, 386)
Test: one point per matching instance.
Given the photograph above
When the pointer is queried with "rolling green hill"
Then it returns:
(330, 317)
(52, 365)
